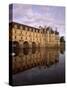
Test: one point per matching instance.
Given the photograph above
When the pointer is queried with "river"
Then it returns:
(38, 66)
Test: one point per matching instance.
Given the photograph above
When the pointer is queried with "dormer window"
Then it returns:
(21, 27)
(26, 28)
(15, 26)
(30, 29)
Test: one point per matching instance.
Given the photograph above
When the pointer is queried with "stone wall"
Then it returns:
(41, 37)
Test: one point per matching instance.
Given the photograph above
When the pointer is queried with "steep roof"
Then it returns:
(11, 24)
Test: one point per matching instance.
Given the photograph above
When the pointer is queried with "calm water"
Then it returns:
(39, 66)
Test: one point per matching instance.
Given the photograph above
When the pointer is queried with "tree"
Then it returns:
(62, 39)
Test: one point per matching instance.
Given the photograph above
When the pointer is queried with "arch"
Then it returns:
(15, 44)
(14, 47)
(25, 44)
(33, 45)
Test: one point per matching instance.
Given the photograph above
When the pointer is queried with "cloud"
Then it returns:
(35, 15)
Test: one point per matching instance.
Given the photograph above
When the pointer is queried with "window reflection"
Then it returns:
(30, 58)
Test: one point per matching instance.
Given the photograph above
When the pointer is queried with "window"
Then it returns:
(26, 37)
(15, 30)
(30, 29)
(23, 27)
(21, 37)
(15, 26)
(38, 30)
(26, 28)
(19, 33)
(18, 26)
(29, 35)
(33, 30)
(26, 32)
(20, 40)
(15, 37)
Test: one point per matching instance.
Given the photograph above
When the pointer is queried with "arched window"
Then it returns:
(25, 44)
(33, 44)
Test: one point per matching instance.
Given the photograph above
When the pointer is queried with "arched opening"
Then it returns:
(25, 44)
(13, 47)
(33, 45)
(15, 44)
(25, 48)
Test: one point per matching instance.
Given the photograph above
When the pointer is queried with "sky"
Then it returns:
(39, 15)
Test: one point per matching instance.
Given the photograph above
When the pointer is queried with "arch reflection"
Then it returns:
(62, 50)
(25, 51)
(33, 45)
(42, 57)
(33, 50)
(14, 47)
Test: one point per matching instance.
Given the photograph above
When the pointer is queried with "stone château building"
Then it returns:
(28, 36)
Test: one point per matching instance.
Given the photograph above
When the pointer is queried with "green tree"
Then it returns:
(62, 39)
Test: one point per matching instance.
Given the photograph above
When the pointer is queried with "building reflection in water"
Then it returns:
(29, 58)
(62, 50)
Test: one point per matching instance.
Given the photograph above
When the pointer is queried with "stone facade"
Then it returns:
(39, 37)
